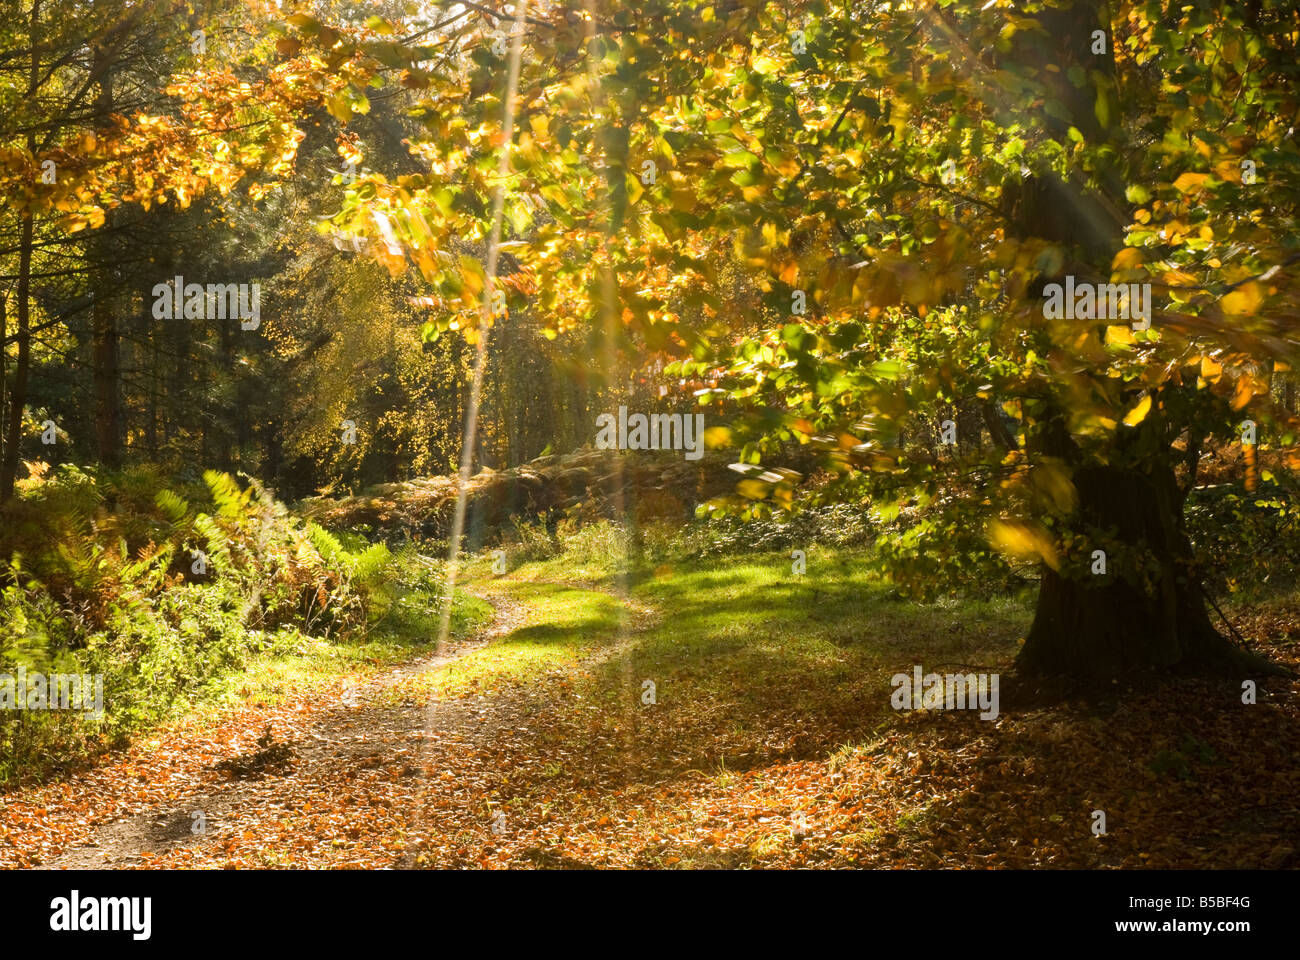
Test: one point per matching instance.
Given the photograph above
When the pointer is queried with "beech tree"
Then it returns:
(903, 183)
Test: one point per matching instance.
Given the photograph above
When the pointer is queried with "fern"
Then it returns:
(270, 507)
(326, 544)
(230, 501)
(173, 506)
(218, 541)
(365, 567)
(150, 567)
(371, 566)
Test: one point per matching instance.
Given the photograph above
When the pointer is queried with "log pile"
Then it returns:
(586, 484)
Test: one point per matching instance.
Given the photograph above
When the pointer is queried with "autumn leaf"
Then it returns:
(1244, 301)
(1022, 541)
(1139, 411)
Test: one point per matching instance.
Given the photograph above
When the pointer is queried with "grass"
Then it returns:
(562, 625)
(408, 629)
(767, 686)
(738, 647)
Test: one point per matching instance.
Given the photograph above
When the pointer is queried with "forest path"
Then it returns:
(531, 745)
(301, 813)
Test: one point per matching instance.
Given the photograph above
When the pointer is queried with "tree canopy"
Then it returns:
(849, 227)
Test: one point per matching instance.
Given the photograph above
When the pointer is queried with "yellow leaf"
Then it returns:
(1139, 412)
(1119, 334)
(1177, 278)
(1229, 171)
(1127, 259)
(472, 274)
(715, 437)
(1051, 480)
(1022, 541)
(339, 107)
(788, 165)
(1247, 388)
(1243, 301)
(1188, 182)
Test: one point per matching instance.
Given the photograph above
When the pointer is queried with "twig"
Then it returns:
(1242, 641)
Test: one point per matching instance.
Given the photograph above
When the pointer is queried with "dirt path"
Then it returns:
(368, 728)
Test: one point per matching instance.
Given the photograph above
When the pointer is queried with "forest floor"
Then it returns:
(710, 715)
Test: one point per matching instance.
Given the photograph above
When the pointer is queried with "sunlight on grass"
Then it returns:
(748, 660)
(561, 625)
(276, 674)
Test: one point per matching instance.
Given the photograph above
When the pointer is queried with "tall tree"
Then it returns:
(911, 187)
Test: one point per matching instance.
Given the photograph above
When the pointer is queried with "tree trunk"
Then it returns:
(151, 401)
(225, 452)
(18, 390)
(105, 336)
(179, 420)
(104, 329)
(4, 374)
(1147, 610)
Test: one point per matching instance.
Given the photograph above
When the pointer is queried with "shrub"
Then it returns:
(101, 578)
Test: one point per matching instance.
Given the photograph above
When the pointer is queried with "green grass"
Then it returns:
(409, 628)
(748, 659)
(753, 613)
(562, 624)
